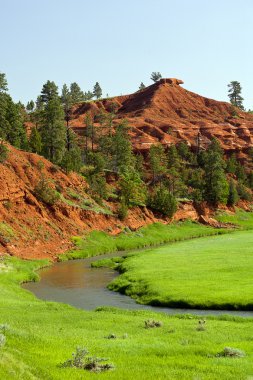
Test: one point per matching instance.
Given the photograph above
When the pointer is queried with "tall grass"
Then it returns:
(241, 218)
(98, 243)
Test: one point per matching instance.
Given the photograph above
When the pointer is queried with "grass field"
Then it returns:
(211, 272)
(42, 335)
(98, 242)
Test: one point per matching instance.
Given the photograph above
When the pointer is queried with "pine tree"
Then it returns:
(72, 160)
(35, 142)
(142, 86)
(76, 93)
(90, 133)
(250, 180)
(216, 186)
(240, 173)
(184, 152)
(139, 165)
(49, 92)
(97, 91)
(173, 157)
(53, 131)
(234, 94)
(65, 96)
(39, 103)
(155, 76)
(122, 155)
(3, 83)
(132, 188)
(88, 95)
(157, 160)
(15, 132)
(11, 118)
(231, 164)
(233, 194)
(30, 106)
(98, 187)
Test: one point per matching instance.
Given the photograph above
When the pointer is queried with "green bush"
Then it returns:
(243, 192)
(3, 153)
(45, 193)
(163, 201)
(89, 363)
(231, 352)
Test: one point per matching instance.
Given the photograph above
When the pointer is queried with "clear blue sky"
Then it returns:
(207, 43)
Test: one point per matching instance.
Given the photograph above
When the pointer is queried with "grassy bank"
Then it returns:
(42, 335)
(98, 243)
(213, 272)
(241, 218)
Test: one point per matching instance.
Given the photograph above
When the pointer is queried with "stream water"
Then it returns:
(76, 283)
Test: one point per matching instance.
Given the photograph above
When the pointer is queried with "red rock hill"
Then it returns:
(167, 113)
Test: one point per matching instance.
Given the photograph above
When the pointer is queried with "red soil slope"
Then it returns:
(167, 113)
(31, 229)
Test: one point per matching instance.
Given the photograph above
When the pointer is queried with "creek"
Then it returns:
(76, 283)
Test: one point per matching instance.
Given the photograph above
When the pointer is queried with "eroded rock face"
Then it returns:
(31, 229)
(172, 81)
(167, 113)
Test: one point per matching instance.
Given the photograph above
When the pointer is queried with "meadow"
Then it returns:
(36, 337)
(40, 336)
(211, 272)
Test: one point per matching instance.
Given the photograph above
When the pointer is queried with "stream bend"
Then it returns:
(76, 283)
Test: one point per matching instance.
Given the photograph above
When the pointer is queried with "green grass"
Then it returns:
(107, 263)
(6, 232)
(241, 218)
(98, 243)
(84, 203)
(212, 272)
(41, 335)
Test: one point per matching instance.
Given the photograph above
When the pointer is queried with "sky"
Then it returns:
(206, 43)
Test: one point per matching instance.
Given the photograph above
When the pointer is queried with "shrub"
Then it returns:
(243, 192)
(4, 327)
(111, 336)
(201, 325)
(54, 169)
(163, 201)
(151, 323)
(40, 165)
(3, 152)
(44, 192)
(231, 352)
(89, 363)
(2, 340)
(7, 205)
